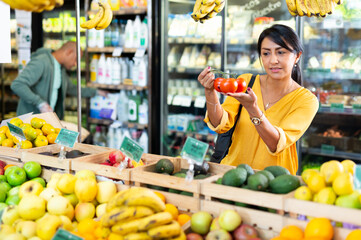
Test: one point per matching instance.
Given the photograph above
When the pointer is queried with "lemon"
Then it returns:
(307, 174)
(326, 196)
(2, 137)
(330, 170)
(315, 197)
(348, 166)
(316, 182)
(26, 144)
(343, 184)
(16, 121)
(303, 193)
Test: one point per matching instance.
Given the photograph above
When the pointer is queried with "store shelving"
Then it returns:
(117, 87)
(338, 154)
(111, 50)
(108, 122)
(126, 11)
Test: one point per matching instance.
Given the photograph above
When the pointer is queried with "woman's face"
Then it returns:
(277, 61)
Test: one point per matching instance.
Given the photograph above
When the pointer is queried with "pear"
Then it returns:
(10, 215)
(349, 201)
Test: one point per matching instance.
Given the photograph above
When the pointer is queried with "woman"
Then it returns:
(276, 111)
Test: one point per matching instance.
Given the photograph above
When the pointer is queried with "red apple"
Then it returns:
(194, 236)
(2, 164)
(116, 156)
(130, 164)
(106, 163)
(2, 170)
(116, 164)
(245, 232)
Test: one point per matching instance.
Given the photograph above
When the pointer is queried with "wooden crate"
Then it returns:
(54, 162)
(142, 176)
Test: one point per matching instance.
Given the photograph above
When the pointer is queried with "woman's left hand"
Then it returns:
(247, 99)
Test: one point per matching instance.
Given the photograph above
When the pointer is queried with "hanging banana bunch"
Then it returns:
(102, 18)
(207, 9)
(34, 5)
(311, 8)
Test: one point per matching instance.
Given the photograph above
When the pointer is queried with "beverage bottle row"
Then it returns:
(112, 70)
(121, 33)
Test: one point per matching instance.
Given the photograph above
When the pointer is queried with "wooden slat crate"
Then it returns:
(93, 152)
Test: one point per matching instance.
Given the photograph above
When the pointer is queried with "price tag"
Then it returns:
(169, 99)
(200, 102)
(131, 149)
(332, 23)
(177, 100)
(356, 108)
(62, 234)
(327, 149)
(181, 69)
(117, 52)
(67, 138)
(194, 149)
(140, 52)
(337, 107)
(186, 101)
(16, 131)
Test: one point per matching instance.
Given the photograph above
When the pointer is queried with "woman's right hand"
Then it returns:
(206, 78)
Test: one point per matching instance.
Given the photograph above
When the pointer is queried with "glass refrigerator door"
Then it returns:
(332, 64)
(189, 47)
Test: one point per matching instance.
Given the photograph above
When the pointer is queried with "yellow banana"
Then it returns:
(291, 5)
(205, 9)
(119, 198)
(39, 2)
(315, 7)
(154, 220)
(196, 7)
(146, 200)
(166, 231)
(328, 4)
(219, 2)
(211, 14)
(338, 2)
(137, 236)
(124, 213)
(51, 6)
(21, 5)
(181, 236)
(207, 2)
(107, 16)
(59, 3)
(92, 23)
(323, 7)
(219, 8)
(301, 8)
(310, 10)
(102, 232)
(127, 227)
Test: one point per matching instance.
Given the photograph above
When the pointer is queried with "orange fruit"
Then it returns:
(25, 126)
(183, 218)
(37, 122)
(354, 235)
(57, 130)
(102, 232)
(47, 129)
(315, 238)
(319, 227)
(87, 225)
(114, 236)
(3, 129)
(40, 141)
(173, 210)
(26, 144)
(30, 133)
(279, 238)
(7, 166)
(292, 232)
(38, 132)
(51, 137)
(16, 121)
(7, 143)
(161, 196)
(2, 137)
(8, 134)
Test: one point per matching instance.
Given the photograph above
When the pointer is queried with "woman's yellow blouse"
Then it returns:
(291, 116)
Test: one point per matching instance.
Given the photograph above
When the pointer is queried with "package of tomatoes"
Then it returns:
(228, 83)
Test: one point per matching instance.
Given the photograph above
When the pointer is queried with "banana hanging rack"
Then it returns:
(34, 5)
(309, 8)
(207, 9)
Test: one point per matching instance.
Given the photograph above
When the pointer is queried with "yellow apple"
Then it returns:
(49, 193)
(53, 182)
(66, 223)
(85, 173)
(106, 190)
(60, 205)
(26, 228)
(86, 189)
(66, 183)
(30, 188)
(10, 215)
(6, 230)
(14, 236)
(47, 226)
(73, 199)
(31, 207)
(84, 210)
(100, 209)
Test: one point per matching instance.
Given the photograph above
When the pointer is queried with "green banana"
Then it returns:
(154, 220)
(124, 213)
(165, 231)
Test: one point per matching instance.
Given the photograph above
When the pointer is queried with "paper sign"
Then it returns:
(194, 149)
(337, 107)
(5, 42)
(200, 102)
(131, 149)
(117, 52)
(356, 108)
(186, 101)
(23, 29)
(67, 137)
(16, 131)
(140, 52)
(62, 234)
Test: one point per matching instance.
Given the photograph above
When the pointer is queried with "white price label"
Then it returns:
(186, 101)
(200, 102)
(333, 23)
(117, 52)
(169, 99)
(140, 52)
(177, 100)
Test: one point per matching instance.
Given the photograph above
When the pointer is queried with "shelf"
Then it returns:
(116, 87)
(325, 73)
(207, 137)
(110, 50)
(197, 71)
(340, 154)
(126, 11)
(347, 110)
(200, 40)
(109, 122)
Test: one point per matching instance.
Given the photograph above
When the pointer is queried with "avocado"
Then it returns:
(183, 170)
(284, 184)
(74, 154)
(171, 190)
(201, 169)
(47, 154)
(159, 188)
(219, 181)
(268, 174)
(200, 176)
(179, 174)
(164, 166)
(258, 182)
(234, 177)
(186, 193)
(277, 170)
(247, 167)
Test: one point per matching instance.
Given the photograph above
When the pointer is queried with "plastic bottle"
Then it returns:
(121, 33)
(135, 71)
(143, 36)
(143, 141)
(122, 106)
(133, 110)
(126, 133)
(142, 74)
(118, 138)
(130, 69)
(108, 71)
(115, 33)
(98, 138)
(92, 38)
(100, 38)
(110, 137)
(129, 34)
(108, 37)
(124, 69)
(94, 68)
(115, 71)
(114, 5)
(136, 32)
(143, 112)
(101, 69)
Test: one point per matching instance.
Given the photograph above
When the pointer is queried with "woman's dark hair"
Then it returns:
(286, 38)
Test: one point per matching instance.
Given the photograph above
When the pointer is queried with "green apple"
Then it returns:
(14, 191)
(12, 200)
(10, 169)
(73, 199)
(2, 178)
(40, 180)
(200, 222)
(2, 195)
(32, 169)
(3, 205)
(16, 176)
(6, 186)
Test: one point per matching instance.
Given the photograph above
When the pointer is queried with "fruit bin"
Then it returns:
(49, 117)
(92, 152)
(342, 144)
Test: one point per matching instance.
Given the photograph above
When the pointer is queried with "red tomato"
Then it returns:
(217, 84)
(242, 86)
(229, 85)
